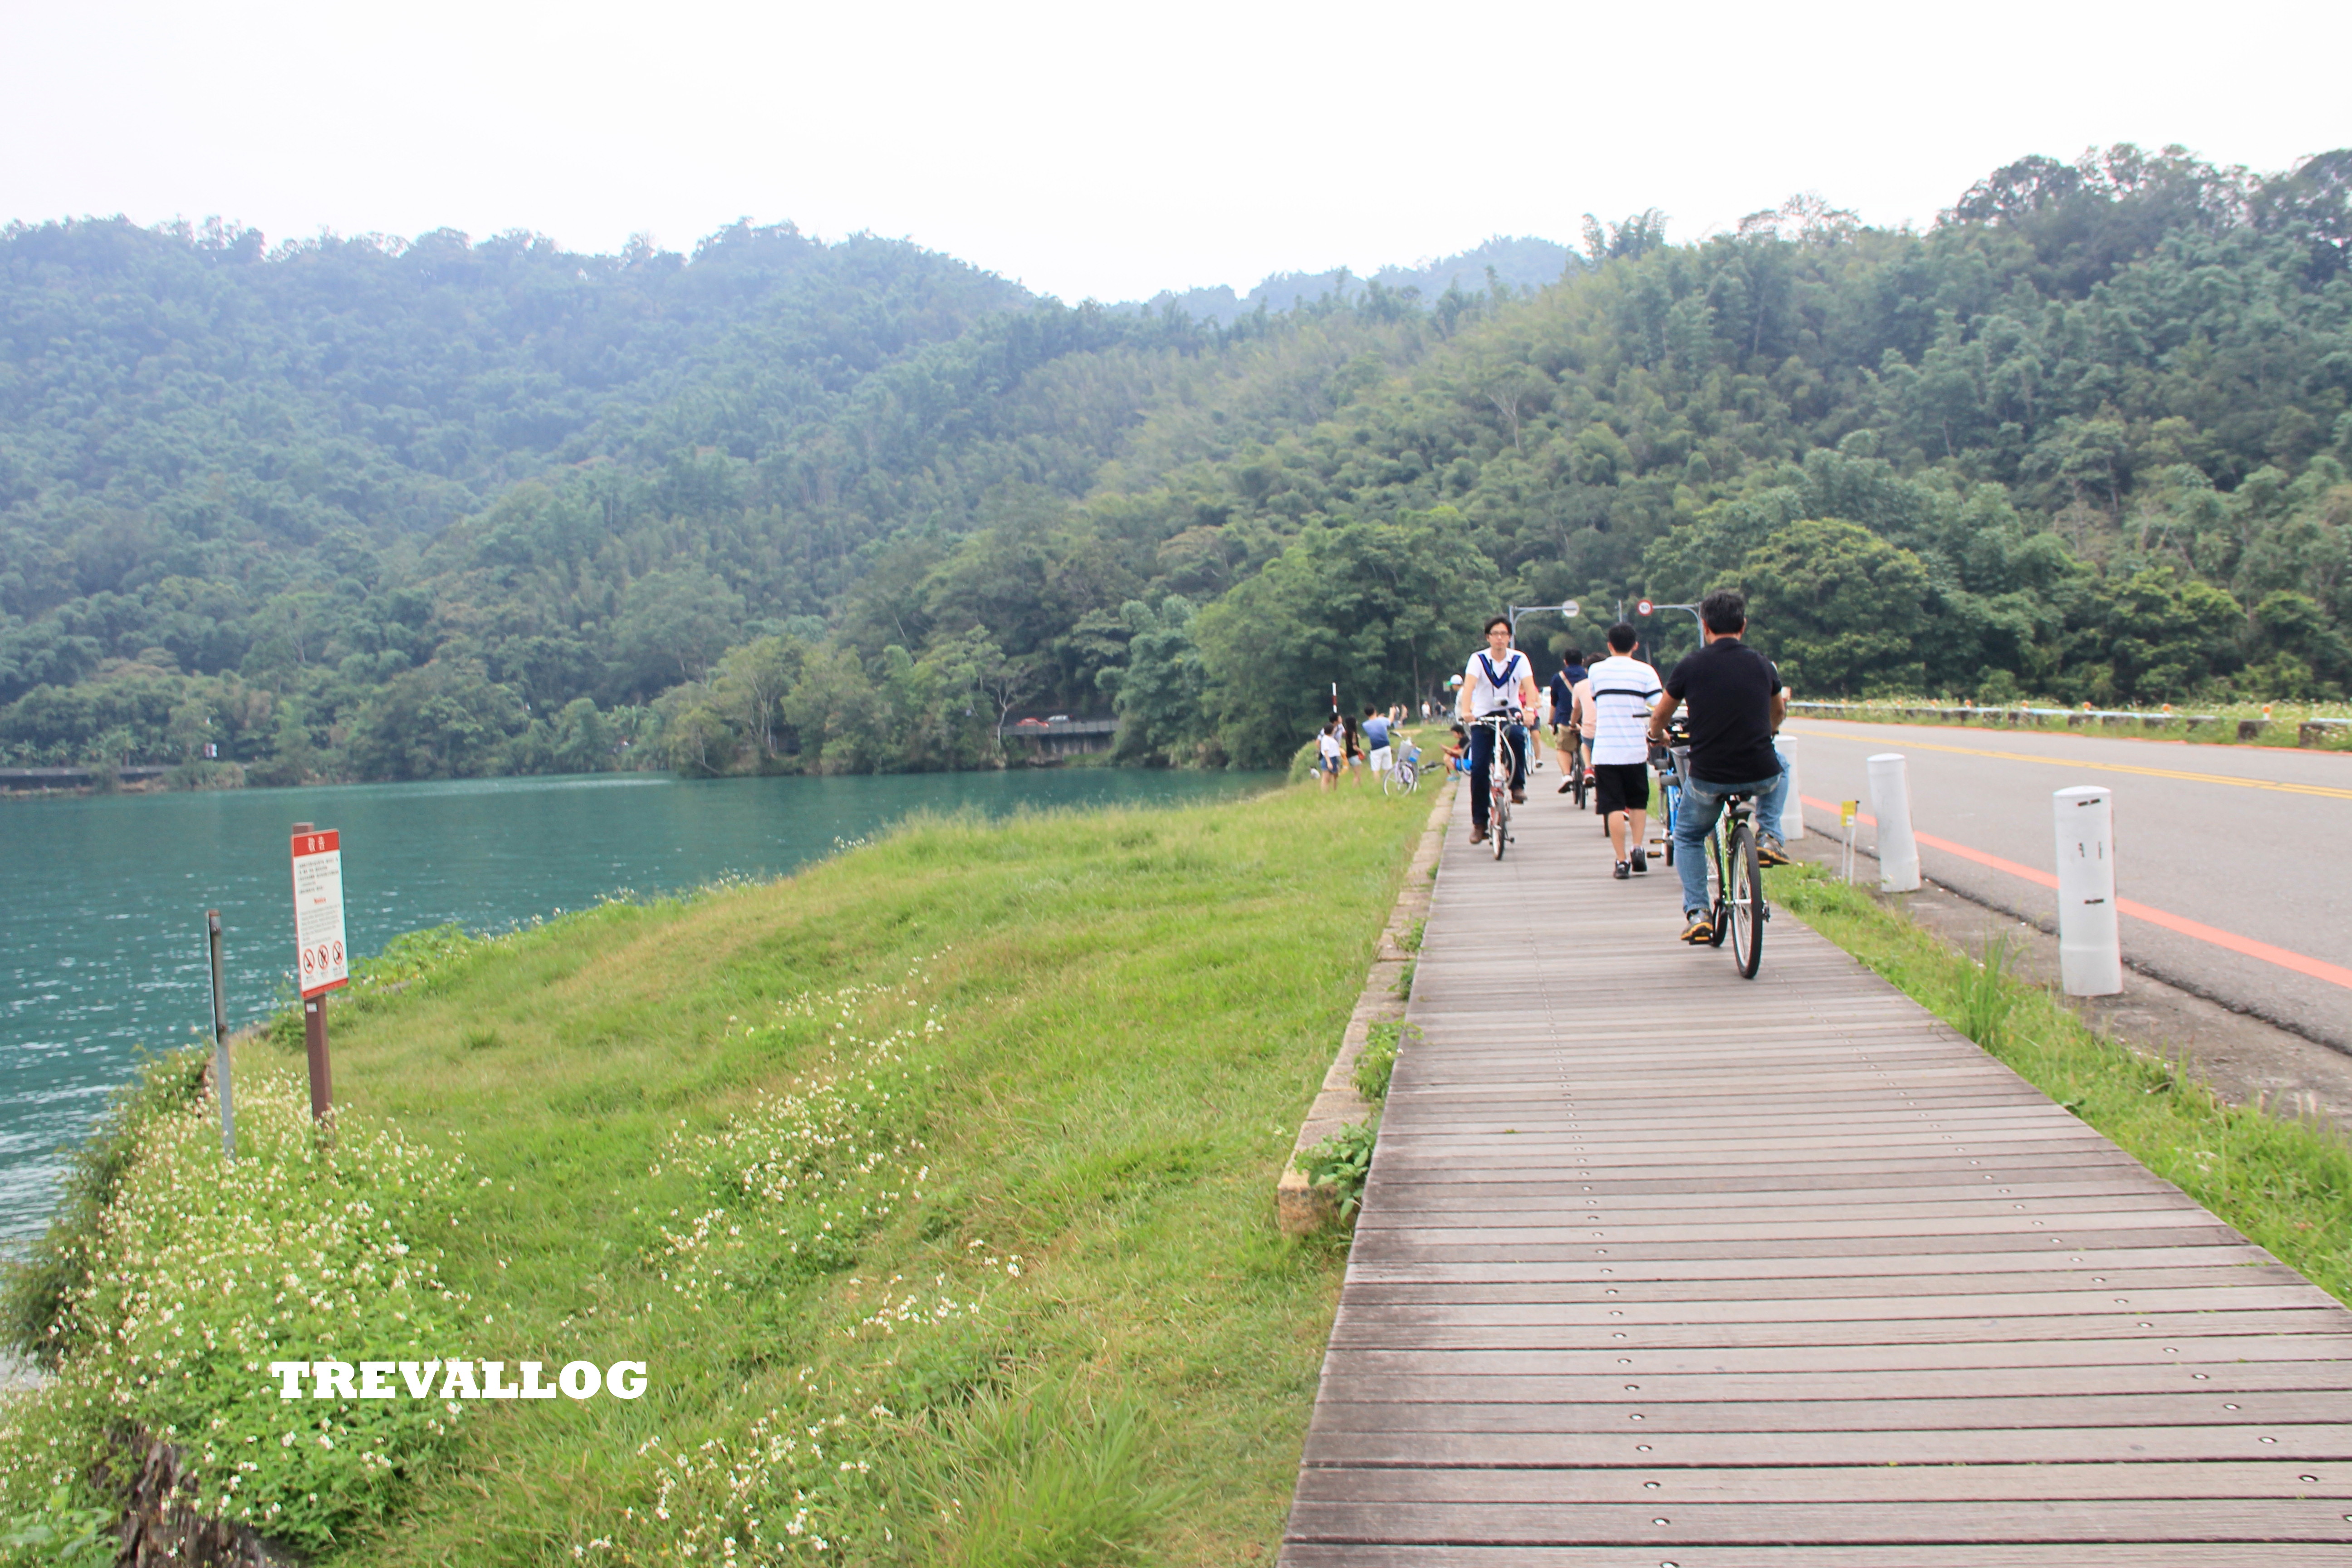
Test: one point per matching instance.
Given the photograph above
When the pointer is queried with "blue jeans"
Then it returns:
(1702, 802)
(1482, 752)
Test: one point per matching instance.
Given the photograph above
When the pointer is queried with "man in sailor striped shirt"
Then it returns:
(1624, 689)
(1498, 680)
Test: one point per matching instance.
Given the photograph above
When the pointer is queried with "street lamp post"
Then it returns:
(1566, 610)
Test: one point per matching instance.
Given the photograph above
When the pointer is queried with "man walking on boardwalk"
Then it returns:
(1624, 692)
(1496, 680)
(1736, 703)
(1567, 723)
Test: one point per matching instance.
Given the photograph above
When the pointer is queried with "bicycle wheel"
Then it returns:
(1670, 797)
(1745, 910)
(1498, 813)
(1718, 886)
(1398, 780)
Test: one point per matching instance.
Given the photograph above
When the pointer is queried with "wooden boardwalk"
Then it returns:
(1663, 1268)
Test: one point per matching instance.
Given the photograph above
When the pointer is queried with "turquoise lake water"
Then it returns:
(102, 937)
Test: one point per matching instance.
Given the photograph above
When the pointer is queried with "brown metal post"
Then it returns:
(314, 1041)
(314, 1044)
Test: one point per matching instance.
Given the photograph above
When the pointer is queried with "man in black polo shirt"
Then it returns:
(1736, 708)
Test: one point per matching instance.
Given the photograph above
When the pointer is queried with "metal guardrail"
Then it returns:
(2308, 732)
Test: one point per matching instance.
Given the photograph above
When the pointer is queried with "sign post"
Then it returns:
(220, 1035)
(320, 965)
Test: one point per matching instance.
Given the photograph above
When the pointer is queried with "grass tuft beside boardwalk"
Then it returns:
(934, 1186)
(2286, 1183)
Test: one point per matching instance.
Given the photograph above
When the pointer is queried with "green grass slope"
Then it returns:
(934, 1185)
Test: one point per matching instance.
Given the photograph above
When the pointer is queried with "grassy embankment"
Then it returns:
(2286, 1183)
(934, 1185)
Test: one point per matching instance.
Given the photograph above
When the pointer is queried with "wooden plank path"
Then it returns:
(1663, 1268)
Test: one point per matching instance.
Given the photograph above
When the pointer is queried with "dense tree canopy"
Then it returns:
(373, 507)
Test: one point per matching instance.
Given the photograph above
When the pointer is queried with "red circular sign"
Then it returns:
(1645, 607)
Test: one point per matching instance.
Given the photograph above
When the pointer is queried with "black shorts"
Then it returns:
(1621, 786)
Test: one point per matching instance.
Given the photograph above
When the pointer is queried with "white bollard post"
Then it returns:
(1890, 799)
(2090, 936)
(1793, 809)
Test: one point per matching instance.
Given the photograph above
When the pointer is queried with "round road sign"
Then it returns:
(1569, 609)
(1644, 606)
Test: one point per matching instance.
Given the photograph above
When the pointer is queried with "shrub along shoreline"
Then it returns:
(931, 1184)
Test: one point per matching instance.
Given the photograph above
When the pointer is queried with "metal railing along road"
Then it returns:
(2308, 732)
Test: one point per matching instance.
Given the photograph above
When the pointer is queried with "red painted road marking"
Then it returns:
(2318, 969)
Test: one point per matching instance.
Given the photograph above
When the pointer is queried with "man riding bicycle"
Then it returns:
(1498, 680)
(1736, 708)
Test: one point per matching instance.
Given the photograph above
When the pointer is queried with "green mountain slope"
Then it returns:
(2086, 438)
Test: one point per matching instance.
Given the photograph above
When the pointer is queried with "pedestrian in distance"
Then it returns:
(1328, 753)
(1736, 703)
(1376, 741)
(1498, 680)
(1622, 690)
(1567, 735)
(1458, 751)
(1352, 737)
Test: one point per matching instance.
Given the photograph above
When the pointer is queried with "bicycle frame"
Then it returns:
(1497, 782)
(1739, 908)
(1736, 906)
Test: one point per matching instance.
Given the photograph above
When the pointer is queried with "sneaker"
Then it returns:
(1565, 784)
(1518, 797)
(1621, 873)
(1477, 835)
(1770, 853)
(1642, 861)
(1700, 930)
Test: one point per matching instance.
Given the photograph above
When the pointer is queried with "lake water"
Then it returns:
(102, 899)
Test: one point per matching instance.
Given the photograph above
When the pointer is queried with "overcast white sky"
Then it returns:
(1112, 151)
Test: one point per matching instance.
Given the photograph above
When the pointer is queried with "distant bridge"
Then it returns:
(71, 778)
(1061, 737)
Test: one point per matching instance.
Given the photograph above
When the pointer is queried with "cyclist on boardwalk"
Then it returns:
(1566, 730)
(1497, 680)
(1622, 690)
(1736, 704)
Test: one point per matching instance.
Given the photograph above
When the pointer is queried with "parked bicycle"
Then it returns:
(1403, 775)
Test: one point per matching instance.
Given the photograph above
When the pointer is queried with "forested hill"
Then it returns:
(355, 509)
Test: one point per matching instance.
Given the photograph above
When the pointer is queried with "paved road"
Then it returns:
(2254, 842)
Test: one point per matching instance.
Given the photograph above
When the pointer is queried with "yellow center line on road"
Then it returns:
(2327, 791)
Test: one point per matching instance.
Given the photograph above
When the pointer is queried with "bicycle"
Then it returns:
(1580, 771)
(1498, 779)
(1668, 761)
(1736, 906)
(1403, 775)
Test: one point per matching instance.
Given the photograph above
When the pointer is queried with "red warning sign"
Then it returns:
(320, 965)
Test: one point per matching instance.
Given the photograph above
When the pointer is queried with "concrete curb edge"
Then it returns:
(1302, 1209)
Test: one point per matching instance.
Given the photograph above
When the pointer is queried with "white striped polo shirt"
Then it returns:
(1624, 692)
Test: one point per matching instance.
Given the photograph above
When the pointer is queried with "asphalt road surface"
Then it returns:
(2239, 857)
